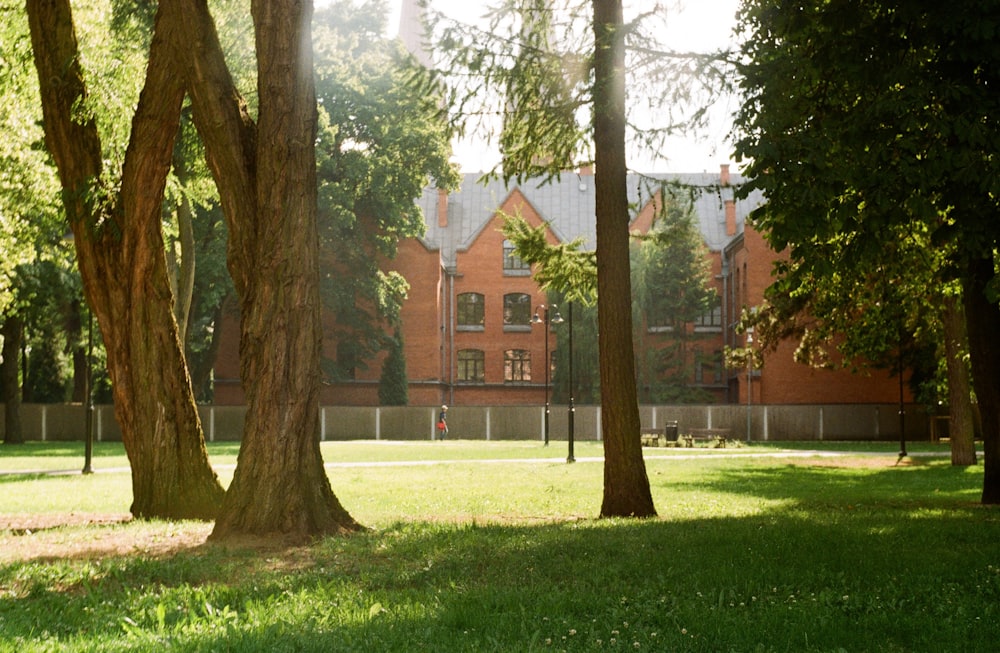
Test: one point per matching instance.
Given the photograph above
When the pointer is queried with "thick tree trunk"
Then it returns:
(12, 332)
(78, 350)
(961, 426)
(626, 486)
(267, 183)
(122, 264)
(983, 324)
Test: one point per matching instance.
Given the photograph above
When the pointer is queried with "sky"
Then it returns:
(698, 25)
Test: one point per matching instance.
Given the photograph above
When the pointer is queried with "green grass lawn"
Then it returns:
(490, 552)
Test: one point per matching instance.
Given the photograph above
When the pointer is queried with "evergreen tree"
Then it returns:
(392, 388)
(671, 273)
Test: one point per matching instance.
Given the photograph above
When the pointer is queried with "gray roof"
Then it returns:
(568, 205)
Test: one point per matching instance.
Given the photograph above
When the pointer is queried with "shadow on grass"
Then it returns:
(889, 560)
(849, 483)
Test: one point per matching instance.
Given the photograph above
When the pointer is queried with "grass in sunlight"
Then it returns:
(792, 552)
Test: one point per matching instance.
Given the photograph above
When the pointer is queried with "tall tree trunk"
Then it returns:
(267, 184)
(120, 253)
(77, 347)
(12, 332)
(626, 486)
(983, 324)
(961, 426)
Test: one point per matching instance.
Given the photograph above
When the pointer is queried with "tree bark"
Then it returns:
(120, 254)
(78, 350)
(12, 331)
(961, 425)
(266, 176)
(983, 324)
(626, 485)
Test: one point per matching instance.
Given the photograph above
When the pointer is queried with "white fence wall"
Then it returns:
(67, 422)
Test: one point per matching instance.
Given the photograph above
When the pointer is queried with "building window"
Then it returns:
(512, 263)
(471, 366)
(710, 319)
(471, 311)
(347, 361)
(517, 311)
(708, 368)
(659, 317)
(516, 365)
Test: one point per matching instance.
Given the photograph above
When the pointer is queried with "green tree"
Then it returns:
(871, 129)
(29, 215)
(393, 388)
(265, 171)
(115, 220)
(561, 121)
(671, 282)
(382, 139)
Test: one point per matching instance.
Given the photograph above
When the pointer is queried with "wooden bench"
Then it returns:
(716, 436)
(652, 437)
(658, 437)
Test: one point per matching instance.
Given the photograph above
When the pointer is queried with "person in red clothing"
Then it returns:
(442, 423)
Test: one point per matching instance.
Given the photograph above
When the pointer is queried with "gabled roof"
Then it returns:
(568, 202)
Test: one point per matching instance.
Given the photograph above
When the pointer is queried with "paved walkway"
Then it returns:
(647, 455)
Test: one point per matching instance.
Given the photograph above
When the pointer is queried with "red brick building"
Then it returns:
(467, 323)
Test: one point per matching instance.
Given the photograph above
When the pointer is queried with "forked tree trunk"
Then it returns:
(983, 324)
(266, 176)
(122, 264)
(961, 426)
(626, 485)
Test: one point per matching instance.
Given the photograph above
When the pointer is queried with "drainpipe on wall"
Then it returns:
(451, 272)
(725, 316)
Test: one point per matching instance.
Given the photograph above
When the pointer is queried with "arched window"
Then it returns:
(517, 310)
(471, 311)
(471, 366)
(516, 365)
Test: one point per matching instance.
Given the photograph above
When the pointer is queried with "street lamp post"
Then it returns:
(88, 443)
(749, 379)
(88, 391)
(572, 408)
(547, 320)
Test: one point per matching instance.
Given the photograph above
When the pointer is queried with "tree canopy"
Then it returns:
(872, 130)
(382, 140)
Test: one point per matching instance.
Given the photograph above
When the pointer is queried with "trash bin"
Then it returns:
(670, 431)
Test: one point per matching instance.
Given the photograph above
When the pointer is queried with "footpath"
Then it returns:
(706, 453)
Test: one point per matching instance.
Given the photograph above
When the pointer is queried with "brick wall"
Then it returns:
(480, 269)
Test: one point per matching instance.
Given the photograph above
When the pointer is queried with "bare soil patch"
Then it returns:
(93, 536)
(859, 462)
